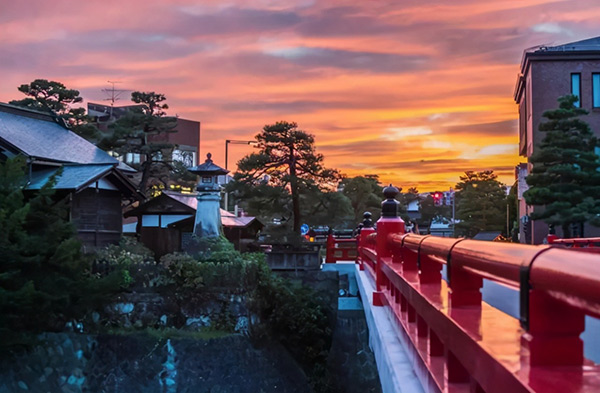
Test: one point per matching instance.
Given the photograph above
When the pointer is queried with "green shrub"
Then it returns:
(295, 316)
(176, 258)
(128, 252)
(133, 246)
(219, 265)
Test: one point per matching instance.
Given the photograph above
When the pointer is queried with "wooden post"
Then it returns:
(387, 224)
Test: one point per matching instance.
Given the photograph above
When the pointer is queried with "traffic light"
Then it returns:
(437, 198)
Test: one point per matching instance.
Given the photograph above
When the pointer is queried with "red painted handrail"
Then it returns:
(588, 244)
(367, 256)
(579, 285)
(456, 340)
(340, 249)
(574, 241)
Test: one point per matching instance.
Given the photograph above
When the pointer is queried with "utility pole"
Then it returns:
(113, 95)
(453, 212)
(507, 219)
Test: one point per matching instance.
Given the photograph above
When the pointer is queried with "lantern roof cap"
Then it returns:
(209, 168)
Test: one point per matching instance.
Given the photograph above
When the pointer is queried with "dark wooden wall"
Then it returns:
(161, 240)
(98, 217)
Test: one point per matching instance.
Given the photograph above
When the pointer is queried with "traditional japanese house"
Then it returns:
(166, 223)
(90, 180)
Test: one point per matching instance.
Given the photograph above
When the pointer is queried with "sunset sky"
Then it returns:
(414, 91)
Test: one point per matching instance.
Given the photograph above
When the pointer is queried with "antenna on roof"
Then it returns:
(113, 95)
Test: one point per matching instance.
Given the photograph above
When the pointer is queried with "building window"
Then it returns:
(132, 158)
(596, 90)
(576, 88)
(186, 157)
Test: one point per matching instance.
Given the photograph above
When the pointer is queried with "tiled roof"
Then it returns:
(187, 199)
(227, 219)
(233, 221)
(40, 136)
(191, 201)
(209, 168)
(73, 177)
(487, 235)
(590, 44)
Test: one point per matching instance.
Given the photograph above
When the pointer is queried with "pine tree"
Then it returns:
(565, 179)
(143, 130)
(55, 98)
(481, 203)
(287, 157)
(44, 278)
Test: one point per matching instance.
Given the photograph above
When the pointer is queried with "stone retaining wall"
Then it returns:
(73, 363)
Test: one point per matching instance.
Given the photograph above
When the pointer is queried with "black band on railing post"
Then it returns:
(524, 287)
(389, 207)
(449, 263)
(419, 252)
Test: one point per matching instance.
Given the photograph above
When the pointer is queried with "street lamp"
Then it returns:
(233, 142)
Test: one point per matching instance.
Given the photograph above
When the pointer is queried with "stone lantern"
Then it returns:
(208, 212)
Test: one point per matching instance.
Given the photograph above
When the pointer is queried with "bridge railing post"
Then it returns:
(389, 223)
(361, 241)
(464, 286)
(553, 334)
(330, 252)
(362, 244)
(560, 286)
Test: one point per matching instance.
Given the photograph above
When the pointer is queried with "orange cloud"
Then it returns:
(414, 91)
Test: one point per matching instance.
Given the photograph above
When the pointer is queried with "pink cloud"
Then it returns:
(344, 70)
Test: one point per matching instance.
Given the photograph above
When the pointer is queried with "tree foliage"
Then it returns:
(412, 194)
(143, 130)
(296, 316)
(48, 96)
(44, 278)
(288, 162)
(365, 194)
(54, 97)
(565, 178)
(480, 203)
(430, 211)
(268, 202)
(327, 208)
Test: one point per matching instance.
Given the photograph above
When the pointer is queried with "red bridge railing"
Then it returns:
(340, 249)
(590, 244)
(459, 343)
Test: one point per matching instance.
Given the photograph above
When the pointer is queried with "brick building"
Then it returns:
(187, 137)
(547, 73)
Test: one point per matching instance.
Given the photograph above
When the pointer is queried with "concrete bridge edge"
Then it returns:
(395, 368)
